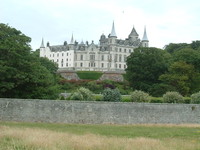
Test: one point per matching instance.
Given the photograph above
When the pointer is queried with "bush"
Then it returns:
(195, 98)
(172, 97)
(156, 100)
(111, 95)
(140, 96)
(92, 75)
(82, 94)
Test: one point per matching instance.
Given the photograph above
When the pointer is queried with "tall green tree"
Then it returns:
(22, 74)
(188, 55)
(182, 77)
(144, 67)
(173, 47)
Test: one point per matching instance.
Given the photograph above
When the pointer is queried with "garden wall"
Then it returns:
(97, 112)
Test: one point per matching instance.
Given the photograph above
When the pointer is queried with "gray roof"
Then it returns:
(113, 33)
(42, 44)
(145, 35)
(59, 48)
(133, 32)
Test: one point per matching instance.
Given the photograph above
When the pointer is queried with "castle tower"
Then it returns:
(133, 36)
(42, 49)
(145, 41)
(112, 36)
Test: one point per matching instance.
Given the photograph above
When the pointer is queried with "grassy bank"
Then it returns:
(45, 136)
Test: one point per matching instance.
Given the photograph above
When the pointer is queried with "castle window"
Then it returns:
(62, 64)
(102, 65)
(120, 66)
(120, 50)
(81, 64)
(124, 50)
(120, 58)
(115, 65)
(75, 57)
(62, 54)
(57, 60)
(124, 66)
(81, 57)
(125, 57)
(58, 55)
(67, 59)
(102, 57)
(116, 49)
(116, 57)
(129, 50)
(66, 64)
(67, 54)
(92, 57)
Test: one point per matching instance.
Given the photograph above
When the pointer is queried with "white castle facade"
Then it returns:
(109, 55)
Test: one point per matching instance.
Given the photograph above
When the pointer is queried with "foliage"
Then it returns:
(195, 98)
(111, 95)
(156, 100)
(173, 47)
(189, 56)
(144, 67)
(82, 94)
(140, 96)
(172, 97)
(195, 45)
(92, 75)
(23, 74)
(180, 76)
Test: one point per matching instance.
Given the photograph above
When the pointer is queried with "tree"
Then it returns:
(144, 67)
(188, 55)
(22, 74)
(195, 45)
(181, 76)
(173, 47)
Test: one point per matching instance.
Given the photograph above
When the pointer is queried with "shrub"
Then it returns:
(82, 94)
(172, 97)
(156, 100)
(140, 96)
(62, 98)
(195, 98)
(111, 95)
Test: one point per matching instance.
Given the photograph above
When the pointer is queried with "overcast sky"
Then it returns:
(166, 21)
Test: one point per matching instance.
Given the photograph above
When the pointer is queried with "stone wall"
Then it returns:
(97, 112)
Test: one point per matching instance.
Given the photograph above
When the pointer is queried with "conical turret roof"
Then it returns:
(145, 35)
(42, 44)
(133, 32)
(72, 40)
(113, 33)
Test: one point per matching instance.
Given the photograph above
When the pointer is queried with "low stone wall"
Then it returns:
(97, 112)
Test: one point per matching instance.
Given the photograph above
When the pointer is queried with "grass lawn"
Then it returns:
(46, 136)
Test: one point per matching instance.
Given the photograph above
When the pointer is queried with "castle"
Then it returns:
(109, 55)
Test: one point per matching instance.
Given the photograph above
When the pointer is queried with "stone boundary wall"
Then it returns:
(97, 112)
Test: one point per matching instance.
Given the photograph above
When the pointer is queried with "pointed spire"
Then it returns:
(145, 35)
(113, 33)
(72, 39)
(42, 44)
(133, 32)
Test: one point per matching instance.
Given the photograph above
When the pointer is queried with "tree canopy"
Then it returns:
(23, 74)
(145, 65)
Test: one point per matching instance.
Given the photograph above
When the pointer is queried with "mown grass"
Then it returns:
(92, 75)
(73, 136)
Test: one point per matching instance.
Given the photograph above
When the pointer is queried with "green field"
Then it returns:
(45, 136)
(91, 75)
